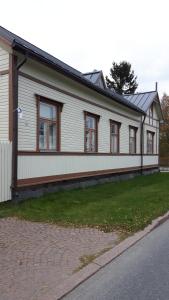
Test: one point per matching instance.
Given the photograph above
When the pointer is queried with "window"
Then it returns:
(132, 139)
(150, 142)
(114, 136)
(91, 132)
(48, 124)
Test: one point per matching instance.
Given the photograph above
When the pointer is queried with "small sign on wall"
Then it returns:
(20, 112)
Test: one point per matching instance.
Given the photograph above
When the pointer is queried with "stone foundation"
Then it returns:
(40, 190)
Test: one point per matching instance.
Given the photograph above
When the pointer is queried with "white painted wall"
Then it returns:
(35, 166)
(4, 108)
(39, 166)
(4, 95)
(72, 119)
(150, 160)
(5, 170)
(72, 127)
(5, 146)
(52, 77)
(4, 59)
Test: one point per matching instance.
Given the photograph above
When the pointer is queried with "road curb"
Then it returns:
(101, 261)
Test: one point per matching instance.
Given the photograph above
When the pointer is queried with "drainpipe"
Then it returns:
(15, 124)
(142, 143)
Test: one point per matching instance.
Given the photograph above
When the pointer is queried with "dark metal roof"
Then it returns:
(96, 77)
(142, 100)
(92, 76)
(29, 49)
(15, 39)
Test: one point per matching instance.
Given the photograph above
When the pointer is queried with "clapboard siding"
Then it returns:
(150, 160)
(72, 120)
(4, 95)
(54, 78)
(5, 171)
(37, 166)
(4, 109)
(72, 126)
(4, 59)
(5, 146)
(41, 166)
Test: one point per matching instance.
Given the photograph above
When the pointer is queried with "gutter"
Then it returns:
(117, 98)
(15, 124)
(142, 142)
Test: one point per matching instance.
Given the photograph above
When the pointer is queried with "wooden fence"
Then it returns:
(5, 170)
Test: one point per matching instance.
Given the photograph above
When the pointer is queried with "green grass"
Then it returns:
(126, 206)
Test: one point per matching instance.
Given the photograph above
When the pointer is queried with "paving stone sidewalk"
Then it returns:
(35, 258)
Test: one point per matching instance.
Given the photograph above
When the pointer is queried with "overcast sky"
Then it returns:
(90, 34)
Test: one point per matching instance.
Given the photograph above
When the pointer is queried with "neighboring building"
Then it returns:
(73, 127)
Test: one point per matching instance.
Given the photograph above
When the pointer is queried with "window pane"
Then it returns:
(47, 111)
(87, 141)
(114, 128)
(114, 137)
(43, 136)
(114, 144)
(132, 142)
(87, 122)
(52, 136)
(90, 122)
(150, 137)
(132, 145)
(93, 141)
(91, 133)
(132, 132)
(149, 143)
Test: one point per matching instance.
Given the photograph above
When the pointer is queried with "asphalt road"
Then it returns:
(141, 273)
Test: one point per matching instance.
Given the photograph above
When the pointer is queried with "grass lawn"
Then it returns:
(126, 206)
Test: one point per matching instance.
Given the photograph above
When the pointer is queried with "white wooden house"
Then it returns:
(61, 127)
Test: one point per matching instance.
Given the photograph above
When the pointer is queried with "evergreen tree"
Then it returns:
(123, 79)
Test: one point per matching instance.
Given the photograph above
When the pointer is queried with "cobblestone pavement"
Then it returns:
(36, 257)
